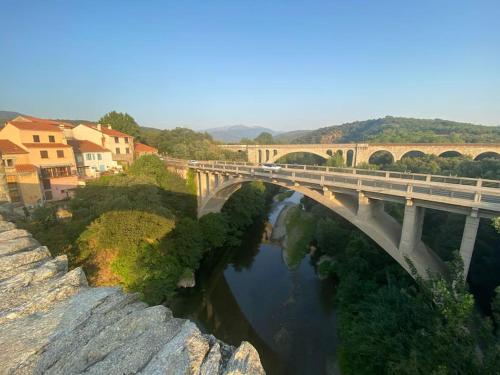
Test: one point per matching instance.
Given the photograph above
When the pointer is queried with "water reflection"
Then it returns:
(249, 294)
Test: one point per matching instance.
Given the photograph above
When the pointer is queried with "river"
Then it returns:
(248, 293)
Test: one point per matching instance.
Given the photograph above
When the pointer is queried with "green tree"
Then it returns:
(264, 138)
(122, 122)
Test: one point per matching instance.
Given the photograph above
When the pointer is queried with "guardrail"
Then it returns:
(431, 187)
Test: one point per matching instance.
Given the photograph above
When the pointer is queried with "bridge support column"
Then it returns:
(411, 231)
(469, 239)
(202, 184)
(211, 182)
(368, 208)
(328, 193)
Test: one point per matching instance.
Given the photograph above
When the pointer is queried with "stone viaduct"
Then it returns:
(359, 195)
(357, 153)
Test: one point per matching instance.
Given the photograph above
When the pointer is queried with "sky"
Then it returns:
(280, 64)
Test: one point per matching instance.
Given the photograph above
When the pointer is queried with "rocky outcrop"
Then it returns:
(52, 322)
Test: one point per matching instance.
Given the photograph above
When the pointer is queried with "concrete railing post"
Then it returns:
(469, 239)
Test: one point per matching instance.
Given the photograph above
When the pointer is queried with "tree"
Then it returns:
(122, 122)
(265, 138)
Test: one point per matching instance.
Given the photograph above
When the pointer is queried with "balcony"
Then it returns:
(56, 172)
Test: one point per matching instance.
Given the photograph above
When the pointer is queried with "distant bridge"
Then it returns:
(358, 196)
(358, 153)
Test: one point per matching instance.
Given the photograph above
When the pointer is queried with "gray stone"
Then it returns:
(245, 360)
(17, 244)
(13, 261)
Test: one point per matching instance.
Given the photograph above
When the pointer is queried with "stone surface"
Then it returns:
(52, 322)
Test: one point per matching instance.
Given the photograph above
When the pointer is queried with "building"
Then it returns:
(92, 159)
(47, 151)
(142, 149)
(22, 177)
(120, 144)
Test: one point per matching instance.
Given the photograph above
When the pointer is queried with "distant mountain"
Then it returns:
(289, 137)
(402, 130)
(7, 116)
(236, 132)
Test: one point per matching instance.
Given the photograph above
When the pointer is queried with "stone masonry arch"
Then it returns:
(285, 152)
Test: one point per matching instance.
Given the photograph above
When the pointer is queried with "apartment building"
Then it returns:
(120, 144)
(92, 159)
(47, 151)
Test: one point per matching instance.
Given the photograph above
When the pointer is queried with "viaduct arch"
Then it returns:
(361, 152)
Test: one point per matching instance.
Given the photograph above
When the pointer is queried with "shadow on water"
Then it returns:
(248, 293)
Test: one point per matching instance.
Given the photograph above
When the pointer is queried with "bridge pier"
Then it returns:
(469, 239)
(411, 231)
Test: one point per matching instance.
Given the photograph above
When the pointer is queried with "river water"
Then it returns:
(248, 293)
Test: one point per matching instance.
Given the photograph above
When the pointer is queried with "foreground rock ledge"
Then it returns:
(52, 322)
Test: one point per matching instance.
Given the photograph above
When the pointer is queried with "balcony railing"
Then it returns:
(56, 172)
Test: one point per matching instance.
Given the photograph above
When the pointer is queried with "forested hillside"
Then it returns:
(403, 130)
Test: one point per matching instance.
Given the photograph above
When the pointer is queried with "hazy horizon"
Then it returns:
(292, 65)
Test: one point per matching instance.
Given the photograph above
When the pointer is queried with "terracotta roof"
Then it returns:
(87, 146)
(25, 168)
(141, 147)
(8, 147)
(23, 118)
(107, 131)
(46, 145)
(37, 126)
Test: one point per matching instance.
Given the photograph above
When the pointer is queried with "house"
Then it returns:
(92, 159)
(47, 150)
(142, 149)
(22, 177)
(120, 144)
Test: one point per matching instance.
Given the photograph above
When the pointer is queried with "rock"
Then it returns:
(245, 360)
(51, 322)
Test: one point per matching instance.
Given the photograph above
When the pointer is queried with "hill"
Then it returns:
(237, 132)
(402, 130)
(7, 115)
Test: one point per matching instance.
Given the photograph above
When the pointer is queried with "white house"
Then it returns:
(92, 159)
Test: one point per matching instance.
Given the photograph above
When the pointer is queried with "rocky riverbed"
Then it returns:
(52, 322)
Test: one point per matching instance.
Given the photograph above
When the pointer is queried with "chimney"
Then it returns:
(99, 127)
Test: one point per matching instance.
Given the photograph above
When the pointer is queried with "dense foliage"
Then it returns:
(402, 130)
(122, 122)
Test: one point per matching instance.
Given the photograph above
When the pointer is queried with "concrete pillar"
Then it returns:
(211, 182)
(328, 193)
(203, 184)
(469, 239)
(411, 231)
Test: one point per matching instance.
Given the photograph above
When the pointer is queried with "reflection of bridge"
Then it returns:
(358, 196)
(357, 153)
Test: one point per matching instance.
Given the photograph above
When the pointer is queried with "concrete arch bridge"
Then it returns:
(358, 153)
(359, 195)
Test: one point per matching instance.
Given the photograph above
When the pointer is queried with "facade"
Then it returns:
(142, 149)
(92, 159)
(47, 151)
(120, 144)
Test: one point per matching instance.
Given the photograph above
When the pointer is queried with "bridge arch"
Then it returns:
(282, 153)
(487, 155)
(368, 216)
(450, 154)
(413, 154)
(382, 156)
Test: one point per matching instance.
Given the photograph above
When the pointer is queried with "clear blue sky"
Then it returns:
(281, 64)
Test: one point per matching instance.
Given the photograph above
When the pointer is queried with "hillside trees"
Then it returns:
(122, 122)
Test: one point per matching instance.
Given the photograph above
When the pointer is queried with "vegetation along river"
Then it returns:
(249, 293)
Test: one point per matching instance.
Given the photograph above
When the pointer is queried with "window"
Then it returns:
(46, 184)
(117, 140)
(88, 156)
(36, 138)
(52, 139)
(44, 154)
(127, 151)
(99, 157)
(117, 150)
(9, 162)
(126, 139)
(60, 153)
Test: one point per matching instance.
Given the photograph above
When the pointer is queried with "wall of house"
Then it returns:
(52, 160)
(83, 132)
(94, 164)
(112, 145)
(30, 188)
(61, 185)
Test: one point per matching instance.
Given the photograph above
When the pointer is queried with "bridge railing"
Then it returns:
(419, 185)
